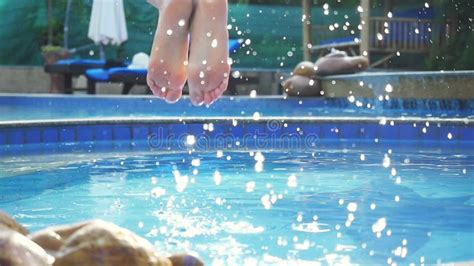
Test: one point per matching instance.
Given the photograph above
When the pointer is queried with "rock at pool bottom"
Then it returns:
(88, 243)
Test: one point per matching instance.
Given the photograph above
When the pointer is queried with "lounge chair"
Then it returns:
(410, 31)
(74, 67)
(130, 76)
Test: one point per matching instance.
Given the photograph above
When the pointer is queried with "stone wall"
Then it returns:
(33, 79)
(23, 79)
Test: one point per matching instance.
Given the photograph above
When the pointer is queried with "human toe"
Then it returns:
(173, 95)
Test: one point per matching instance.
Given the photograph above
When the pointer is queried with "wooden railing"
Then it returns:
(406, 34)
(390, 35)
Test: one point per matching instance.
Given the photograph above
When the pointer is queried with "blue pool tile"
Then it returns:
(258, 130)
(311, 130)
(349, 131)
(220, 129)
(237, 130)
(408, 131)
(103, 137)
(122, 133)
(140, 135)
(389, 132)
(368, 131)
(85, 134)
(290, 129)
(195, 129)
(329, 131)
(50, 135)
(3, 137)
(446, 132)
(15, 136)
(176, 137)
(277, 131)
(177, 131)
(140, 132)
(466, 133)
(429, 133)
(67, 134)
(157, 138)
(449, 135)
(33, 135)
(103, 133)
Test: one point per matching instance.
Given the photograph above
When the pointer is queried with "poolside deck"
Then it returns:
(425, 85)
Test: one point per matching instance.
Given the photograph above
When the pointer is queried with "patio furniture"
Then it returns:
(130, 76)
(412, 31)
(74, 67)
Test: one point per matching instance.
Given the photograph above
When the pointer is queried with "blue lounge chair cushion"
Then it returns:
(83, 62)
(105, 75)
(338, 40)
(234, 44)
(127, 71)
(98, 74)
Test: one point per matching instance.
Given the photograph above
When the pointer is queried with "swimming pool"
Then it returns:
(250, 180)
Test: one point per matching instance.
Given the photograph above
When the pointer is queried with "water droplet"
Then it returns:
(250, 186)
(214, 43)
(196, 162)
(379, 225)
(386, 161)
(181, 22)
(190, 140)
(158, 192)
(217, 178)
(256, 116)
(169, 32)
(292, 181)
(352, 207)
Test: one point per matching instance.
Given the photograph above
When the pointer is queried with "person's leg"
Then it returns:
(208, 71)
(167, 71)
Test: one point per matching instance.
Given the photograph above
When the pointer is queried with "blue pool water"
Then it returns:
(250, 181)
(366, 206)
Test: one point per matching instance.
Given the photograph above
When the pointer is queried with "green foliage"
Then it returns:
(273, 26)
(459, 52)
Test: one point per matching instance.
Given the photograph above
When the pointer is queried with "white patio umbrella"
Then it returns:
(107, 24)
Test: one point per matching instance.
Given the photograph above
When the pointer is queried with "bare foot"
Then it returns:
(169, 55)
(208, 72)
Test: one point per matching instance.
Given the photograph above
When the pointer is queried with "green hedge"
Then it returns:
(274, 30)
